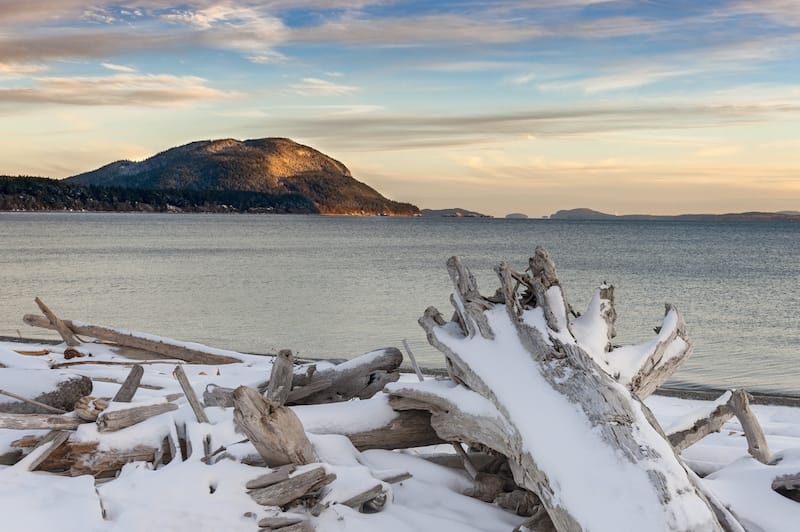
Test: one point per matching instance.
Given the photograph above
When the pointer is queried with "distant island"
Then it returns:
(589, 214)
(270, 175)
(452, 213)
(517, 215)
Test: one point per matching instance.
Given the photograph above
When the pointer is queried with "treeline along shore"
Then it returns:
(24, 193)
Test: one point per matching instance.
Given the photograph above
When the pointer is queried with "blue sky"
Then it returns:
(507, 106)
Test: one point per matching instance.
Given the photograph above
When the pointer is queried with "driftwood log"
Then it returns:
(361, 377)
(525, 385)
(124, 418)
(730, 404)
(85, 458)
(280, 378)
(194, 353)
(273, 429)
(128, 389)
(39, 421)
(63, 330)
(290, 489)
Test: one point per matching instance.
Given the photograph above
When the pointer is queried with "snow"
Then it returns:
(192, 495)
(627, 360)
(574, 452)
(361, 417)
(688, 421)
(590, 330)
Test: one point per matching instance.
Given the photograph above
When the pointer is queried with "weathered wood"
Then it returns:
(280, 378)
(88, 407)
(44, 449)
(521, 502)
(188, 391)
(223, 397)
(413, 360)
(39, 421)
(161, 346)
(120, 419)
(756, 440)
(301, 392)
(70, 363)
(290, 489)
(131, 384)
(481, 460)
(356, 501)
(393, 478)
(279, 474)
(544, 370)
(274, 430)
(278, 521)
(63, 330)
(486, 487)
(658, 367)
(84, 458)
(360, 377)
(469, 467)
(61, 395)
(40, 406)
(787, 482)
(219, 396)
(719, 413)
(409, 429)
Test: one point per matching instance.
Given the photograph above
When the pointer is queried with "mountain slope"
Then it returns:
(269, 165)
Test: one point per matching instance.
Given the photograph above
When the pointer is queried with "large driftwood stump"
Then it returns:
(551, 395)
(273, 429)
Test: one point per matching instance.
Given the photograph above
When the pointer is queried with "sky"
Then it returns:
(528, 106)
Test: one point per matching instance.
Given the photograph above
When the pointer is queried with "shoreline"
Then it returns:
(681, 391)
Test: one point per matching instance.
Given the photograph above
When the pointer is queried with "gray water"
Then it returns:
(340, 286)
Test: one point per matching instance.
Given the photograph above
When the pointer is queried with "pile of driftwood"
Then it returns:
(497, 349)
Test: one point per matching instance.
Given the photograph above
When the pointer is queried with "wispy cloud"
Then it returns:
(119, 90)
(117, 68)
(321, 87)
(784, 12)
(417, 30)
(622, 80)
(381, 131)
(13, 70)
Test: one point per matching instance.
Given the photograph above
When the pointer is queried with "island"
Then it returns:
(268, 175)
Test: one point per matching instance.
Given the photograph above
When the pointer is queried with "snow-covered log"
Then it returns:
(186, 351)
(361, 377)
(528, 389)
(641, 368)
(52, 388)
(699, 424)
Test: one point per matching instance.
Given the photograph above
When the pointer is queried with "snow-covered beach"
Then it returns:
(193, 495)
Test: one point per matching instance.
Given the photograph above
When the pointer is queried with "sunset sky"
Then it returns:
(508, 106)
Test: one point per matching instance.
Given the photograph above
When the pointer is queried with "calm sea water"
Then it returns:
(338, 286)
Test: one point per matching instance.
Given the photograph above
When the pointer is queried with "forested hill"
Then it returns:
(42, 194)
(275, 166)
